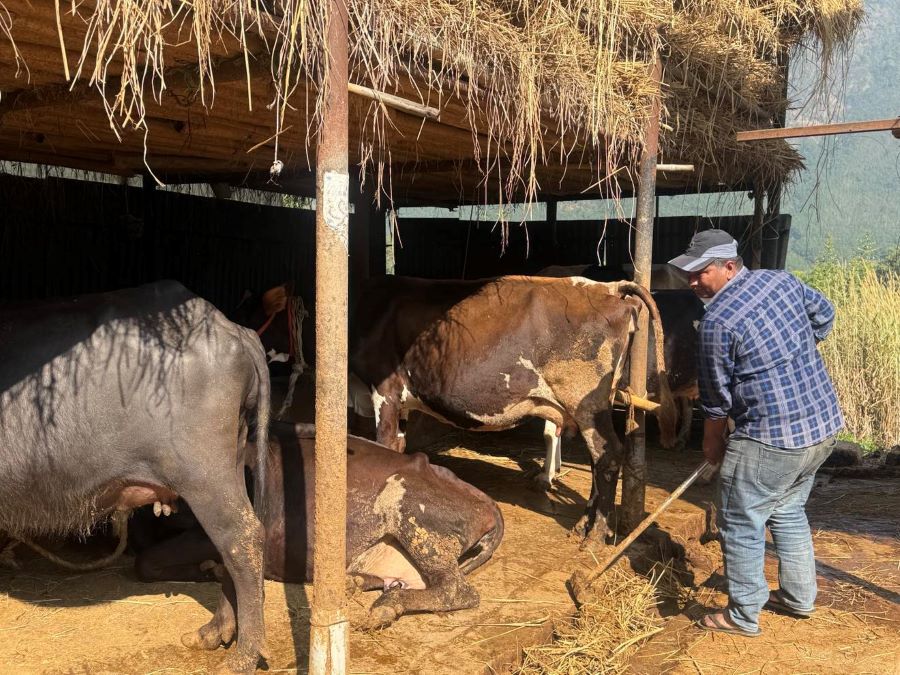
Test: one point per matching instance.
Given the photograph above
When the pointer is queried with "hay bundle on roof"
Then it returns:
(542, 83)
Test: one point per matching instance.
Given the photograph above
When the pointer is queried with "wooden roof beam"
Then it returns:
(892, 125)
(225, 70)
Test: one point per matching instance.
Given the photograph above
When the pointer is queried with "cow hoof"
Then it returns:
(541, 483)
(580, 528)
(380, 616)
(353, 586)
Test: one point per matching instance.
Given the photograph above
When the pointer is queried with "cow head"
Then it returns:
(275, 315)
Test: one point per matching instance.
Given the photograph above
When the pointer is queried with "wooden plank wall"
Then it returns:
(65, 237)
(449, 248)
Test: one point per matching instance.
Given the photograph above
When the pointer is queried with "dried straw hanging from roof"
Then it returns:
(542, 82)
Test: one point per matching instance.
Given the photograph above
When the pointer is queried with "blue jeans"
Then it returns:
(762, 485)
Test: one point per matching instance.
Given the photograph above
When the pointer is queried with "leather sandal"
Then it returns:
(720, 622)
(776, 604)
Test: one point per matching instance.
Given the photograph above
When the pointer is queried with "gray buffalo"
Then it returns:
(113, 401)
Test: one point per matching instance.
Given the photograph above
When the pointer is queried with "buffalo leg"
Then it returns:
(605, 449)
(436, 557)
(178, 559)
(223, 509)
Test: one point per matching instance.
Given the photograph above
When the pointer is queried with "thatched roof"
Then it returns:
(536, 97)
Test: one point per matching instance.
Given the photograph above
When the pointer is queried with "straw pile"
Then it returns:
(542, 82)
(606, 632)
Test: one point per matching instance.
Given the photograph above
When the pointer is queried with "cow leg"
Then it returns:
(386, 401)
(552, 458)
(605, 449)
(686, 417)
(224, 511)
(436, 557)
(360, 581)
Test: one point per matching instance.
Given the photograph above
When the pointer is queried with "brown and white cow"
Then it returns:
(680, 311)
(486, 354)
(413, 529)
(663, 277)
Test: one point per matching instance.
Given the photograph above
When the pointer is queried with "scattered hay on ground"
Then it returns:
(607, 631)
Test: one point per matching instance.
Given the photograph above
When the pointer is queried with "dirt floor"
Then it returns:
(53, 621)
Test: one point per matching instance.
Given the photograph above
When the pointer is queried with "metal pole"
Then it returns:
(328, 634)
(634, 469)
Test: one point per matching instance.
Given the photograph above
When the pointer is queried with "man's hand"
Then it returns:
(714, 439)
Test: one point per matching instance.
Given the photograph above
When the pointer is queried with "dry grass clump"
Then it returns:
(862, 353)
(542, 82)
(607, 631)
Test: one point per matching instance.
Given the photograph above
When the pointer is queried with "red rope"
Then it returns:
(262, 329)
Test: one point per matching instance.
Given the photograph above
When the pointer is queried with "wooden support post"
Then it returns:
(328, 631)
(360, 232)
(756, 228)
(152, 235)
(634, 469)
(378, 242)
(551, 224)
(773, 240)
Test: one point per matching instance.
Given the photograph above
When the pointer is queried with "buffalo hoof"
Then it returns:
(209, 636)
(237, 664)
(201, 639)
(380, 616)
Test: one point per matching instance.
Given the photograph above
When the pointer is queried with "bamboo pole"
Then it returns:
(328, 634)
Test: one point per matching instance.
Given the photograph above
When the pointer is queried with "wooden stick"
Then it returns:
(674, 167)
(644, 524)
(820, 130)
(395, 101)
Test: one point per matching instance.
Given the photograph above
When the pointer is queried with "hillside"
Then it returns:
(851, 188)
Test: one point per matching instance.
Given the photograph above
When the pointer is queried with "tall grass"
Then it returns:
(863, 351)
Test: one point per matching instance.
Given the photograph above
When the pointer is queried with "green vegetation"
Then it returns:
(849, 189)
(863, 351)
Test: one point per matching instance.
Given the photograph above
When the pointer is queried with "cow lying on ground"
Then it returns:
(413, 528)
(112, 401)
(486, 354)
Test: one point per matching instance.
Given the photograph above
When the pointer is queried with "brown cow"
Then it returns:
(486, 354)
(680, 311)
(413, 528)
(662, 276)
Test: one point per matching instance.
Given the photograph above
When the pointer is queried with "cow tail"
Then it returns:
(263, 411)
(667, 414)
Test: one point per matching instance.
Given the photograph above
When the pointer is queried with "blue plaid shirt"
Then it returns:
(759, 364)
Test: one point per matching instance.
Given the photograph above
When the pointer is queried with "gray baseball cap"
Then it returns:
(706, 246)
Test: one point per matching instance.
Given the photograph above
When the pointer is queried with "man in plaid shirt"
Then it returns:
(758, 365)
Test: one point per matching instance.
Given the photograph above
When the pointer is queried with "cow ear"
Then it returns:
(274, 300)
